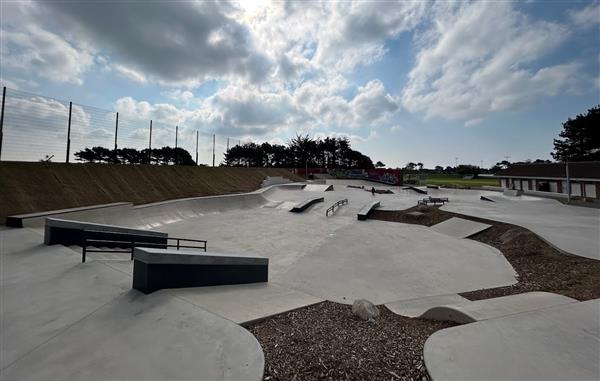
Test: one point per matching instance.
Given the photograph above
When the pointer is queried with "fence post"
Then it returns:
(196, 147)
(213, 150)
(2, 119)
(69, 132)
(176, 155)
(150, 145)
(116, 131)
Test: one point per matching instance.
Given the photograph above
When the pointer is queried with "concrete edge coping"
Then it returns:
(187, 257)
(17, 219)
(80, 225)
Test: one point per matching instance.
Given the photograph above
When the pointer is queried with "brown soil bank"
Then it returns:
(37, 187)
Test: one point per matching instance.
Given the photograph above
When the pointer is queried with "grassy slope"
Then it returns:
(457, 180)
(35, 187)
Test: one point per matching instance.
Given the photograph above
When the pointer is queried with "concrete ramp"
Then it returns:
(302, 206)
(460, 228)
(556, 343)
(318, 188)
(468, 312)
(274, 180)
(486, 198)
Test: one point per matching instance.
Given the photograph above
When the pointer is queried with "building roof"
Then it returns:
(579, 170)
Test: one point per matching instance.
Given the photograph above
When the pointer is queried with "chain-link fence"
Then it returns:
(39, 128)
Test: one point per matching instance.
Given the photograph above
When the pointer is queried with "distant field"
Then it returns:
(457, 180)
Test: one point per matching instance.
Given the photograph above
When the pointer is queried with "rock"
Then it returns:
(365, 310)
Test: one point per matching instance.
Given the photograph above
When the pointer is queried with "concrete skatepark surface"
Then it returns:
(573, 229)
(62, 319)
(312, 258)
(556, 343)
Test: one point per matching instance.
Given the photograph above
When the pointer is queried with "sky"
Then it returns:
(432, 82)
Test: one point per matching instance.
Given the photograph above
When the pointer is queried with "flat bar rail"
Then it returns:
(125, 245)
(338, 204)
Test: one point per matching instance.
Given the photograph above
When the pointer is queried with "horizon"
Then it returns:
(430, 82)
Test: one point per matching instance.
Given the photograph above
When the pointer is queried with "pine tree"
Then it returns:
(580, 138)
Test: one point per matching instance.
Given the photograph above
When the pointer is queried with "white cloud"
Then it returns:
(38, 52)
(182, 43)
(586, 17)
(481, 59)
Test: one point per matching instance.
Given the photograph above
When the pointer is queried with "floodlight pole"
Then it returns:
(116, 130)
(69, 132)
(150, 144)
(196, 147)
(2, 118)
(568, 182)
(213, 150)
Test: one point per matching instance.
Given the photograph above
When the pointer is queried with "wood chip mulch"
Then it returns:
(326, 342)
(540, 266)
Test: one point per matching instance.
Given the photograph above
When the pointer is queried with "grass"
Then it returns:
(458, 181)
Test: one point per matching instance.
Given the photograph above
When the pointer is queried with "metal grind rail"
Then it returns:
(337, 204)
(124, 244)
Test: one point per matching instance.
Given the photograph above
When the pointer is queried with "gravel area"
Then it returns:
(540, 266)
(326, 342)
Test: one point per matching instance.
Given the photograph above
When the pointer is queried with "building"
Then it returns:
(584, 176)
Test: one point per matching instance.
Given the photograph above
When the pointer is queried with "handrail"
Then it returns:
(332, 207)
(131, 244)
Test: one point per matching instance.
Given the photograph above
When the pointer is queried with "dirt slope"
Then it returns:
(36, 187)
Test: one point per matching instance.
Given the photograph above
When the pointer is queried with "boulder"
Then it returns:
(365, 310)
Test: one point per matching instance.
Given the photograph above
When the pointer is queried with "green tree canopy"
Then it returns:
(580, 138)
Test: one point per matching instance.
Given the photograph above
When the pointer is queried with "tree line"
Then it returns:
(300, 151)
(164, 156)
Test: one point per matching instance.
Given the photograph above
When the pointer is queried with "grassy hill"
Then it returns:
(36, 187)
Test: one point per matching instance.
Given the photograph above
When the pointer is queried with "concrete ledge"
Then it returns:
(416, 189)
(155, 269)
(363, 213)
(302, 206)
(512, 192)
(22, 220)
(68, 232)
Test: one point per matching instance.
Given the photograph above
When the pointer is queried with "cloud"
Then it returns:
(171, 43)
(44, 54)
(461, 74)
(587, 17)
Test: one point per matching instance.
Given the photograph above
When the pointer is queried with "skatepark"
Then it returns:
(64, 319)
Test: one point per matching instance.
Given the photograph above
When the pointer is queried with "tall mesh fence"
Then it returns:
(39, 128)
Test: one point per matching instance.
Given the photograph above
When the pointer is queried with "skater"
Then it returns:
(373, 191)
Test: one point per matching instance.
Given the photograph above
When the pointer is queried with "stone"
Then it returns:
(365, 310)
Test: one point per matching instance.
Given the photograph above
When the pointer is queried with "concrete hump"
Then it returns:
(416, 307)
(468, 312)
(459, 227)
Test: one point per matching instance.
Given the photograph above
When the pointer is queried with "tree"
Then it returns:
(580, 138)
(379, 164)
(410, 166)
(420, 165)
